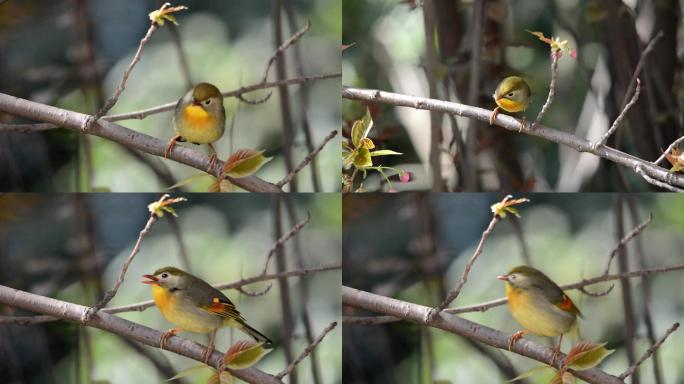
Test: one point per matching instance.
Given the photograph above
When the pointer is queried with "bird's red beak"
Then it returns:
(502, 277)
(195, 102)
(152, 279)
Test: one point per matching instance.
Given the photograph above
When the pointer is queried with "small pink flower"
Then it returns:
(392, 190)
(405, 177)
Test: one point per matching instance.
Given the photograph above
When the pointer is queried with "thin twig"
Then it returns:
(648, 353)
(667, 151)
(109, 295)
(555, 55)
(639, 170)
(620, 117)
(285, 45)
(290, 234)
(283, 239)
(306, 351)
(453, 294)
(626, 239)
(306, 161)
(87, 124)
(143, 113)
(642, 60)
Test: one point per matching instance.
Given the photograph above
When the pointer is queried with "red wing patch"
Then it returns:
(567, 304)
(223, 309)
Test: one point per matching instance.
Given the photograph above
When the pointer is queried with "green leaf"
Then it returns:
(164, 205)
(531, 372)
(385, 152)
(189, 371)
(362, 159)
(361, 128)
(244, 162)
(244, 354)
(586, 355)
(163, 14)
(188, 180)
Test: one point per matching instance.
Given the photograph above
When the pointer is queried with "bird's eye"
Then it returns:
(207, 102)
(510, 94)
(164, 275)
(512, 277)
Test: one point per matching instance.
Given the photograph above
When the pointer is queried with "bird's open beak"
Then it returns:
(502, 277)
(152, 279)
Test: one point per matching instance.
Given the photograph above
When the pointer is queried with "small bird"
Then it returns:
(193, 305)
(539, 305)
(199, 118)
(512, 95)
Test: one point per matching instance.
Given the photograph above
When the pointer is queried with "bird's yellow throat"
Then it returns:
(198, 117)
(161, 297)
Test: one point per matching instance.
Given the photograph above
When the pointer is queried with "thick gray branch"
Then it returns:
(130, 330)
(117, 133)
(466, 328)
(579, 144)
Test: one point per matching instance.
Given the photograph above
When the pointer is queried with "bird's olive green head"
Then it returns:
(203, 95)
(205, 91)
(524, 277)
(513, 88)
(168, 277)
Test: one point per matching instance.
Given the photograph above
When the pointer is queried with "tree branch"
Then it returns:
(462, 327)
(306, 160)
(133, 331)
(455, 292)
(648, 352)
(483, 307)
(306, 351)
(640, 166)
(117, 133)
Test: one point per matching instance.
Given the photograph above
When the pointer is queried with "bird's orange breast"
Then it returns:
(162, 298)
(510, 105)
(197, 117)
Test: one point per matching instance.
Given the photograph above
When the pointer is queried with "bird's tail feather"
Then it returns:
(258, 336)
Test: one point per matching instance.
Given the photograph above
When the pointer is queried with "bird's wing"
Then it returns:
(557, 296)
(212, 300)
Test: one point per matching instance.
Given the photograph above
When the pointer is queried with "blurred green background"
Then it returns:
(71, 247)
(389, 54)
(73, 53)
(414, 247)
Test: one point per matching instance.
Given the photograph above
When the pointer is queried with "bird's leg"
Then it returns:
(492, 117)
(210, 348)
(171, 144)
(165, 336)
(556, 350)
(522, 123)
(213, 158)
(515, 337)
